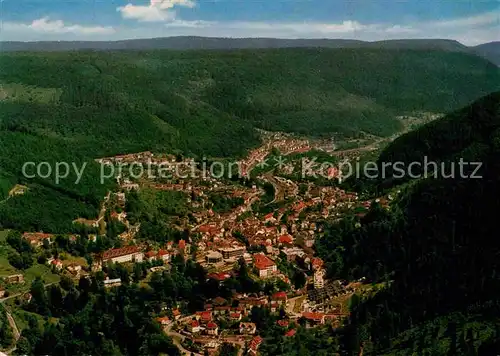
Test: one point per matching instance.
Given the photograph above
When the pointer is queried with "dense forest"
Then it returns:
(77, 106)
(436, 249)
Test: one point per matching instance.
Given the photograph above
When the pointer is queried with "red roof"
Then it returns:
(317, 262)
(283, 323)
(162, 253)
(204, 229)
(313, 316)
(235, 315)
(219, 276)
(256, 341)
(211, 325)
(285, 239)
(291, 332)
(150, 254)
(279, 296)
(269, 216)
(195, 323)
(117, 252)
(165, 319)
(333, 172)
(205, 315)
(182, 244)
(36, 236)
(261, 261)
(176, 312)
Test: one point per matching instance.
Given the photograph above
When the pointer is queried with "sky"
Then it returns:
(470, 22)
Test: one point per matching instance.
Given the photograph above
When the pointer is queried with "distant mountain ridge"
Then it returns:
(490, 51)
(194, 42)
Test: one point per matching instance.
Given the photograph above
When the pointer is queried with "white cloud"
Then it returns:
(468, 30)
(488, 18)
(156, 11)
(54, 27)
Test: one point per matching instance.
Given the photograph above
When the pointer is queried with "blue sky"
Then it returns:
(470, 22)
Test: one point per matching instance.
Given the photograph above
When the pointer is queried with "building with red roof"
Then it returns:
(194, 326)
(314, 318)
(212, 328)
(290, 333)
(205, 316)
(279, 296)
(37, 238)
(264, 265)
(285, 239)
(316, 263)
(164, 321)
(254, 345)
(124, 254)
(283, 323)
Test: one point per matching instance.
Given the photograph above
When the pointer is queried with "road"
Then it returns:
(14, 328)
(176, 336)
(12, 322)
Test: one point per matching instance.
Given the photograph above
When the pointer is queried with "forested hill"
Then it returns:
(76, 106)
(438, 245)
(219, 43)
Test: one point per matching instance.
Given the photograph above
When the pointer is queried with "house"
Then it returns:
(212, 329)
(279, 297)
(164, 321)
(236, 316)
(57, 264)
(194, 327)
(214, 257)
(176, 313)
(290, 333)
(150, 256)
(254, 345)
(222, 310)
(319, 281)
(74, 269)
(313, 319)
(204, 316)
(36, 238)
(219, 276)
(14, 279)
(109, 283)
(269, 218)
(248, 328)
(264, 265)
(232, 252)
(285, 239)
(163, 255)
(316, 263)
(121, 217)
(124, 254)
(283, 323)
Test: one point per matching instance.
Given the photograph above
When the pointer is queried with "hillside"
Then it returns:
(193, 42)
(490, 51)
(438, 245)
(77, 106)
